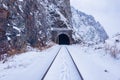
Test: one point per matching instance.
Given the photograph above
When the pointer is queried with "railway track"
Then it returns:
(65, 62)
(50, 65)
(75, 65)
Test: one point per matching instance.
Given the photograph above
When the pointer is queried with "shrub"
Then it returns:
(112, 47)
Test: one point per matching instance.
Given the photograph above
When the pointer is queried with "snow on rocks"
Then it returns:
(86, 28)
(17, 28)
(5, 6)
(21, 0)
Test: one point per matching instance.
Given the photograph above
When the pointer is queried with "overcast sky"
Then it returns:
(107, 12)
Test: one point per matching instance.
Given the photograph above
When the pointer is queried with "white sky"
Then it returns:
(107, 12)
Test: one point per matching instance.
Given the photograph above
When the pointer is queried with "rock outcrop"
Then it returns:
(24, 22)
(28, 22)
(3, 39)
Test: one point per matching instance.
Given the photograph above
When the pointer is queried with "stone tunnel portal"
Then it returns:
(63, 39)
(61, 36)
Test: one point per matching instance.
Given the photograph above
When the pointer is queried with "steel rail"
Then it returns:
(50, 65)
(75, 64)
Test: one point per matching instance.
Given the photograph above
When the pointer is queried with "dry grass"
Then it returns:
(46, 46)
(14, 51)
(113, 50)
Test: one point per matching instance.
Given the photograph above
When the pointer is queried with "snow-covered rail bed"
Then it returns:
(63, 67)
(31, 65)
(48, 65)
(95, 64)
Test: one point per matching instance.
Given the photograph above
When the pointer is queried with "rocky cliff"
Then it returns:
(27, 22)
(24, 22)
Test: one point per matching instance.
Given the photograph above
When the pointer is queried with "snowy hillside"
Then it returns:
(86, 28)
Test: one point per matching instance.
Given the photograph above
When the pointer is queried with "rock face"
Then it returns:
(25, 22)
(3, 39)
(86, 29)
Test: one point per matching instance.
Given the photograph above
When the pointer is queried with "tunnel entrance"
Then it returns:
(63, 39)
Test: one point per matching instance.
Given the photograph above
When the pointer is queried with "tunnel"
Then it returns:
(63, 39)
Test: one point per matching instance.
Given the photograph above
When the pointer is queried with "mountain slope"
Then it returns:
(86, 28)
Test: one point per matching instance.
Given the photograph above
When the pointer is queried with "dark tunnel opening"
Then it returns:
(63, 39)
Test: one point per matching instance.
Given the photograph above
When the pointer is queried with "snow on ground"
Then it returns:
(63, 68)
(95, 64)
(27, 66)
